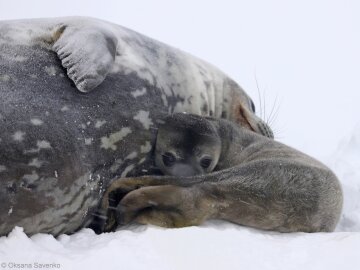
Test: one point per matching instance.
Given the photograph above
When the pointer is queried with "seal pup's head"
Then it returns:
(187, 145)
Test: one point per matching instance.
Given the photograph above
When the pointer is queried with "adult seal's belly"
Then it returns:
(80, 103)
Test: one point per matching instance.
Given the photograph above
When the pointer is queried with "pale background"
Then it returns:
(306, 53)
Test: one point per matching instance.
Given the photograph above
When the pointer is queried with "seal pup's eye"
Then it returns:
(168, 159)
(205, 162)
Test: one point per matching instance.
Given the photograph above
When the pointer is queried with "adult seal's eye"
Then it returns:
(252, 106)
(168, 159)
(205, 162)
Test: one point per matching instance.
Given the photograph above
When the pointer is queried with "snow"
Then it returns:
(346, 164)
(214, 245)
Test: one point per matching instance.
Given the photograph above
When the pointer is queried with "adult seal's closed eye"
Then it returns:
(257, 182)
(81, 100)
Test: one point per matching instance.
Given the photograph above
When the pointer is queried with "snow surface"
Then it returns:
(214, 245)
(346, 164)
(224, 246)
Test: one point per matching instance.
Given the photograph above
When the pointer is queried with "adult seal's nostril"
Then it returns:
(265, 130)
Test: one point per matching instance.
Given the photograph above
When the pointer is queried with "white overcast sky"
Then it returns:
(306, 53)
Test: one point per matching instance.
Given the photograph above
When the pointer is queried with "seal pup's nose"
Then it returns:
(184, 170)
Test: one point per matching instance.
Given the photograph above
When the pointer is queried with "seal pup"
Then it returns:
(81, 100)
(256, 182)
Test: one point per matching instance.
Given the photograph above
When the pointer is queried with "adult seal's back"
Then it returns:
(80, 103)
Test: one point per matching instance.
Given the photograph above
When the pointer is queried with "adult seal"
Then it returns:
(80, 103)
(256, 182)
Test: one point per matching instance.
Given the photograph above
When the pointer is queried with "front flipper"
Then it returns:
(174, 199)
(165, 206)
(87, 53)
(105, 220)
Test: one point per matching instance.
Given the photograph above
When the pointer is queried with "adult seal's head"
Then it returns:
(238, 107)
(81, 101)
